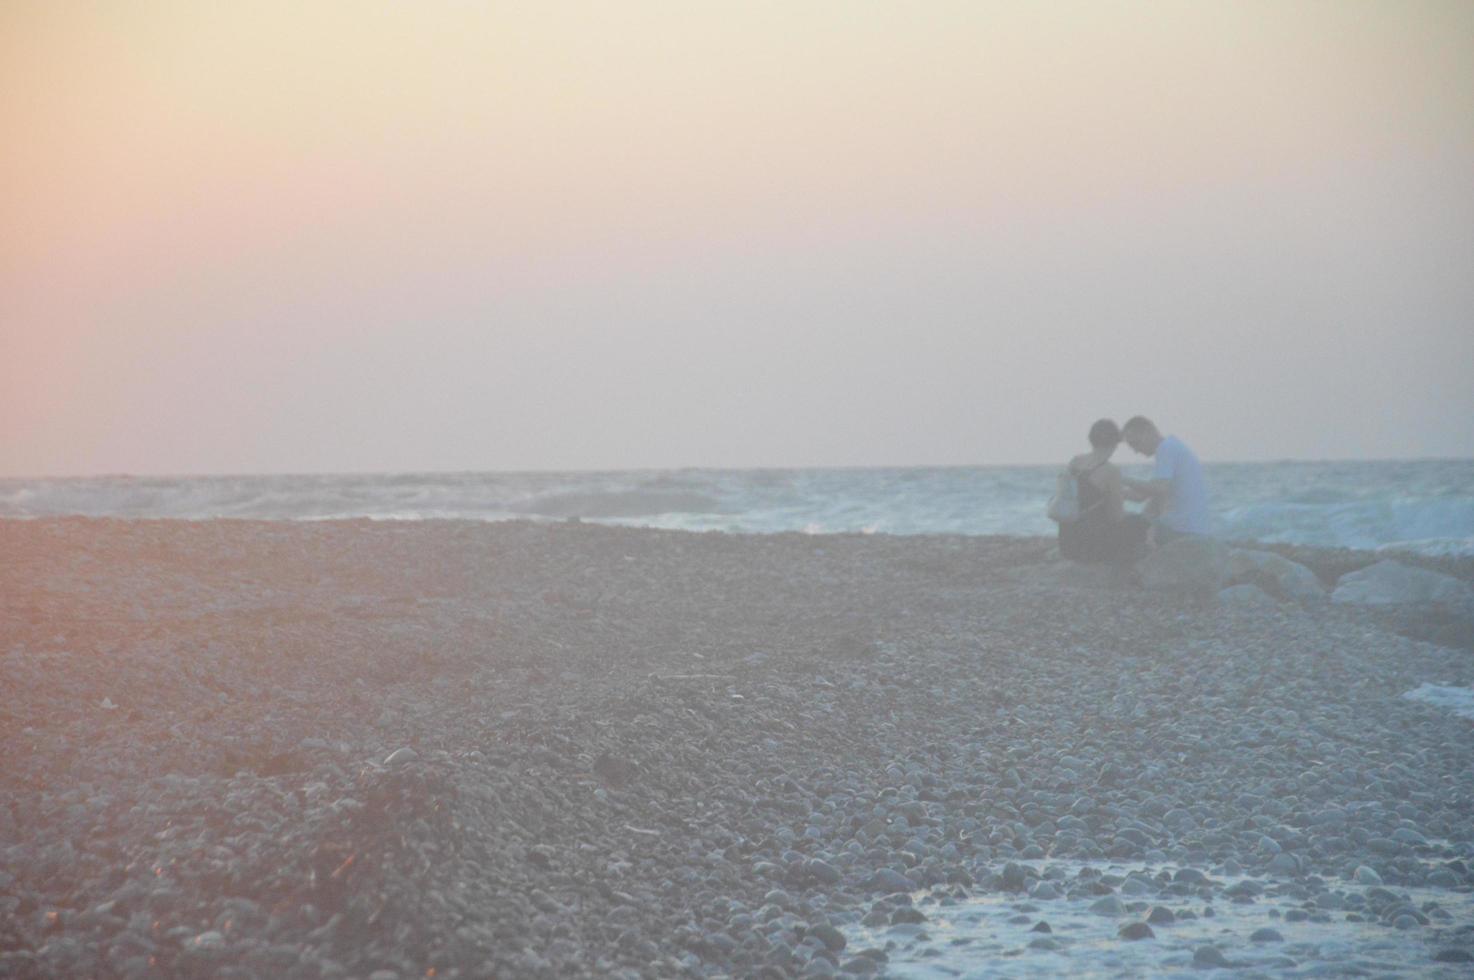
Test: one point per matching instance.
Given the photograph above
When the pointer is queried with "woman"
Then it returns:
(1104, 531)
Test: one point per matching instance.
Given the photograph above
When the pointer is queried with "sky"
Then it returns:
(383, 236)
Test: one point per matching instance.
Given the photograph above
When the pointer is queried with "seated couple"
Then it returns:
(1176, 496)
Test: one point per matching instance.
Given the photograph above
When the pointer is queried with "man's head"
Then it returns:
(1141, 435)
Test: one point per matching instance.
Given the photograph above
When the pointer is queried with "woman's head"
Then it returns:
(1104, 435)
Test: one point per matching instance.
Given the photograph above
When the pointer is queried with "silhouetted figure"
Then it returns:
(1177, 494)
(1103, 532)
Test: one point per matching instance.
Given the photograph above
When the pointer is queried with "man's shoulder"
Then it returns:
(1176, 447)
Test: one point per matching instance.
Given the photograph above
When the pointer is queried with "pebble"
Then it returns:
(1283, 864)
(1209, 956)
(1136, 930)
(888, 879)
(831, 937)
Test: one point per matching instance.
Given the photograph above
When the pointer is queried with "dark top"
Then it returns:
(1095, 537)
(1091, 497)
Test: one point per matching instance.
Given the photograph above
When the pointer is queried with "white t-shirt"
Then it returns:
(1187, 508)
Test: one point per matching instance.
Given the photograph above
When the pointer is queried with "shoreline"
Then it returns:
(663, 752)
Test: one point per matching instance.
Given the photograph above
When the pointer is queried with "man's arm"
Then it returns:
(1149, 490)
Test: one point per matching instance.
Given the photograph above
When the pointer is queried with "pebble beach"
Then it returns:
(529, 749)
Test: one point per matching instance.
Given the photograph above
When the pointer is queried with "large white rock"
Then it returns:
(1390, 583)
(1193, 563)
(1293, 578)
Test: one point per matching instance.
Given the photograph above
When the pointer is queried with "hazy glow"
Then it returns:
(347, 236)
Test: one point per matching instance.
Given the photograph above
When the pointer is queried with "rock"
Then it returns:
(890, 880)
(831, 937)
(1110, 905)
(1136, 930)
(1246, 595)
(1266, 935)
(1209, 956)
(1045, 891)
(821, 966)
(1453, 956)
(823, 871)
(1292, 579)
(1135, 888)
(1245, 889)
(1042, 926)
(1015, 877)
(1161, 916)
(1366, 876)
(400, 756)
(1393, 583)
(1283, 864)
(1443, 878)
(860, 965)
(1190, 564)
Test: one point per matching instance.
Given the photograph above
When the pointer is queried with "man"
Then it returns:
(1177, 495)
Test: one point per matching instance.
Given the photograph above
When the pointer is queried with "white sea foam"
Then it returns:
(990, 935)
(1424, 507)
(1459, 700)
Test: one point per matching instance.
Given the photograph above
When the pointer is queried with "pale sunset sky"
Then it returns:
(377, 236)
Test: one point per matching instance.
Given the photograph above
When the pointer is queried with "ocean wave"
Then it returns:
(621, 503)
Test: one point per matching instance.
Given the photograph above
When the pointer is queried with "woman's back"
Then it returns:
(1094, 479)
(1094, 537)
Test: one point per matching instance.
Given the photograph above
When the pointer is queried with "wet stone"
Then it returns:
(1161, 916)
(1136, 930)
(1209, 956)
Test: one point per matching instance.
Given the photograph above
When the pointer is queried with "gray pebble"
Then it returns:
(1136, 930)
(1209, 956)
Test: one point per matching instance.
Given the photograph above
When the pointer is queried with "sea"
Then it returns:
(1418, 506)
